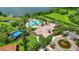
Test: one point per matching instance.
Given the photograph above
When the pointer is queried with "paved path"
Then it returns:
(37, 38)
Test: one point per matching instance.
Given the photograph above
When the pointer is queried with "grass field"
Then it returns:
(62, 18)
(9, 18)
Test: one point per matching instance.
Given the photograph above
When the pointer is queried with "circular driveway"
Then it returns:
(58, 48)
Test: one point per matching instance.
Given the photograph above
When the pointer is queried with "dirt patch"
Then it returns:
(11, 47)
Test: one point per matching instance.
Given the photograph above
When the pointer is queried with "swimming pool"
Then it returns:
(33, 22)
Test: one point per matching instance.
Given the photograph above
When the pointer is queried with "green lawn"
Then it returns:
(9, 18)
(8, 26)
(62, 18)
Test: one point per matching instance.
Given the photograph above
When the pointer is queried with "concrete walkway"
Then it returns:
(37, 38)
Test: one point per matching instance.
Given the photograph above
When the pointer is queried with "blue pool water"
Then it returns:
(33, 22)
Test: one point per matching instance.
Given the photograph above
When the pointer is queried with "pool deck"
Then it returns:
(43, 30)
